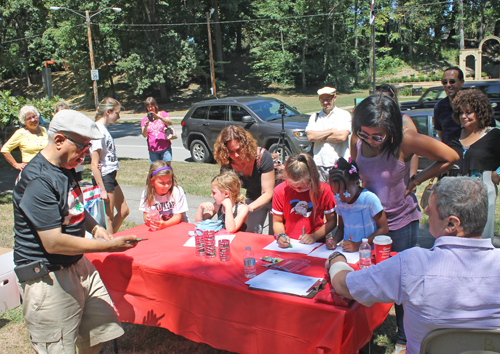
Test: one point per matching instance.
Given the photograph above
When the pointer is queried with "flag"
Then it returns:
(372, 17)
(91, 193)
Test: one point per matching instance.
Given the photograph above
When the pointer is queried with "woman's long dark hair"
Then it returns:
(383, 112)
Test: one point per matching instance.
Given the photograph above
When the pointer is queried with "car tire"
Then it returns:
(200, 152)
(274, 149)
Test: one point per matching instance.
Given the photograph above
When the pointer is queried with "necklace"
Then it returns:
(240, 171)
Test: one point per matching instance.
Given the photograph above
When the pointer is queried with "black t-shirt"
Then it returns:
(253, 183)
(45, 197)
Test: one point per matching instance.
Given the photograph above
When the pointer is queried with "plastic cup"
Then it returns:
(153, 217)
(383, 246)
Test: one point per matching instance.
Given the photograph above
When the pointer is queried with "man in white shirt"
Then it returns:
(329, 129)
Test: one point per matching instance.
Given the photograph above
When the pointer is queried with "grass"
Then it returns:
(194, 178)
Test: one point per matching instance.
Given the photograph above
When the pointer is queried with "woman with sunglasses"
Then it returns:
(383, 151)
(30, 139)
(103, 152)
(477, 144)
(390, 91)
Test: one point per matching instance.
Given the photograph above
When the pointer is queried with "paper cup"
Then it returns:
(382, 248)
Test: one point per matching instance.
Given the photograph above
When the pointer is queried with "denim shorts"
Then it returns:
(165, 155)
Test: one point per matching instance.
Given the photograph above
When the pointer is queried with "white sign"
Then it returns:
(94, 74)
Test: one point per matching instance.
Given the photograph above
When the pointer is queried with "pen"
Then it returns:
(138, 240)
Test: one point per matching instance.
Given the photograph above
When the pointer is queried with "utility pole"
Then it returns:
(212, 71)
(92, 65)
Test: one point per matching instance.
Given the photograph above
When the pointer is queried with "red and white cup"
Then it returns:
(383, 246)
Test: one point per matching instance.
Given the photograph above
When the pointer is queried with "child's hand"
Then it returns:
(350, 246)
(284, 242)
(227, 204)
(330, 244)
(306, 239)
(208, 206)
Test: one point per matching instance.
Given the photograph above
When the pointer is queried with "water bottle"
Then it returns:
(365, 254)
(249, 263)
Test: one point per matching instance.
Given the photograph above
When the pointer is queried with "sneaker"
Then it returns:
(399, 349)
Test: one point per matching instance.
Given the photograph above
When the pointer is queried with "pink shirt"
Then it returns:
(156, 134)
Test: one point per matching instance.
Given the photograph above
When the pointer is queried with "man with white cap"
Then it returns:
(65, 302)
(329, 129)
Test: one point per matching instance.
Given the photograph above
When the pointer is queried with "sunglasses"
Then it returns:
(451, 81)
(375, 138)
(78, 145)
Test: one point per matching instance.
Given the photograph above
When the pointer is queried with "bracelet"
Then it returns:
(338, 267)
(280, 235)
(94, 229)
(335, 255)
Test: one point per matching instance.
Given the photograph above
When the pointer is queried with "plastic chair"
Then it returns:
(461, 341)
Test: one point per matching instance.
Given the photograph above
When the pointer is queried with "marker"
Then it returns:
(138, 240)
(290, 242)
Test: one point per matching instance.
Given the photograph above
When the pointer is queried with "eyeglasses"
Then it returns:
(386, 88)
(78, 145)
(451, 81)
(328, 99)
(375, 138)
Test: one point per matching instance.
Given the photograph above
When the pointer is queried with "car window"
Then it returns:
(200, 113)
(237, 113)
(217, 113)
(268, 110)
(493, 91)
(421, 122)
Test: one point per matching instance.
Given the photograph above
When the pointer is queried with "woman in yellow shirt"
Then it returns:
(30, 139)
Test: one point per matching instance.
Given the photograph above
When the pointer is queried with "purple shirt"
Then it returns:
(388, 179)
(156, 133)
(455, 284)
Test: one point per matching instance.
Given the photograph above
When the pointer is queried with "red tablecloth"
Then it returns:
(161, 283)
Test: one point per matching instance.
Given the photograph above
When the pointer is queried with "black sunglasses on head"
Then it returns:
(451, 81)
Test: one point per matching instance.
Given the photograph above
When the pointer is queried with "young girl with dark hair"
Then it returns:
(360, 213)
(302, 203)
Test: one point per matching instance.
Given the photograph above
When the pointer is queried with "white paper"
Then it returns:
(297, 247)
(290, 283)
(191, 241)
(323, 252)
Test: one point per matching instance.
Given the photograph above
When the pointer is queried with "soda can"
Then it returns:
(209, 238)
(224, 250)
(199, 243)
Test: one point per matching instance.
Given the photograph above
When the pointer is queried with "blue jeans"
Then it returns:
(165, 155)
(402, 239)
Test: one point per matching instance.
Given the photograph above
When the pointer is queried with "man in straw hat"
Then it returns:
(329, 129)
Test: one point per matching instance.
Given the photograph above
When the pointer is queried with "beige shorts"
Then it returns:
(69, 307)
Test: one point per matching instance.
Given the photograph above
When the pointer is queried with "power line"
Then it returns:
(232, 21)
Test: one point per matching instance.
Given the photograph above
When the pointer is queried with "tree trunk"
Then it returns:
(163, 92)
(238, 37)
(482, 25)
(304, 49)
(356, 60)
(218, 37)
(461, 25)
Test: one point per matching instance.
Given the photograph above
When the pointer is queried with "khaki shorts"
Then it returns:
(69, 307)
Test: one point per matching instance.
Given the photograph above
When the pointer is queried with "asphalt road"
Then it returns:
(131, 144)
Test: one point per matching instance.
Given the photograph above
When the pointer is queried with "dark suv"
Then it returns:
(259, 115)
(436, 93)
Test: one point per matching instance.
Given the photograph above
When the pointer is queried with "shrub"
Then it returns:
(10, 106)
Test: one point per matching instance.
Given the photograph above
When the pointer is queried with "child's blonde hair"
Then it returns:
(301, 168)
(157, 169)
(107, 103)
(229, 181)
